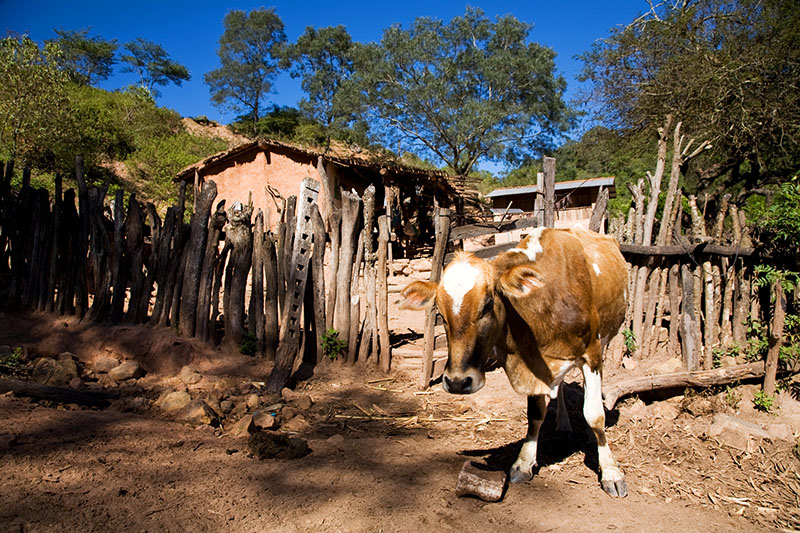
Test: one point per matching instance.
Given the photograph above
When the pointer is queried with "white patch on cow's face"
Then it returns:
(532, 246)
(559, 377)
(596, 268)
(458, 280)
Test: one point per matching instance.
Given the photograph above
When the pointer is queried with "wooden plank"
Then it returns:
(491, 228)
(692, 249)
(486, 253)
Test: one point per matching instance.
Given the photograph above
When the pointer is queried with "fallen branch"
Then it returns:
(55, 394)
(702, 378)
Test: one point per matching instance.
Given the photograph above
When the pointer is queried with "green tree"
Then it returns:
(88, 59)
(324, 60)
(153, 65)
(34, 104)
(728, 70)
(464, 90)
(249, 51)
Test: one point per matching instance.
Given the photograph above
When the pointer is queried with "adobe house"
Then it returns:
(255, 166)
(574, 201)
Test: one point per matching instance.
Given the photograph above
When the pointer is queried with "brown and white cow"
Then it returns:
(549, 305)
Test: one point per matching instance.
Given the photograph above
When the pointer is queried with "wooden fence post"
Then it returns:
(775, 338)
(204, 328)
(351, 204)
(240, 238)
(382, 294)
(256, 312)
(369, 336)
(298, 276)
(549, 165)
(437, 265)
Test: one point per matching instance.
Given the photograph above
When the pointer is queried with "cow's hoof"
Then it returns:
(518, 476)
(616, 488)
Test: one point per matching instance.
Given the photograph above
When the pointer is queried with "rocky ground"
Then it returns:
(191, 441)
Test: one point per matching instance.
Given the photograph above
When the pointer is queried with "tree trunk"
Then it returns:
(599, 211)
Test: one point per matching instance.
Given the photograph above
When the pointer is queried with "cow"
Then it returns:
(547, 306)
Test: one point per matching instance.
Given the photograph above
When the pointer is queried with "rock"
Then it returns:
(199, 412)
(50, 372)
(252, 401)
(664, 410)
(189, 375)
(288, 394)
(478, 480)
(129, 370)
(669, 366)
(134, 404)
(297, 424)
(264, 420)
(629, 363)
(422, 265)
(287, 413)
(407, 271)
(780, 431)
(243, 427)
(245, 388)
(635, 411)
(70, 363)
(5, 351)
(697, 405)
(174, 401)
(303, 402)
(226, 406)
(226, 387)
(76, 383)
(105, 363)
(276, 446)
(734, 432)
(336, 440)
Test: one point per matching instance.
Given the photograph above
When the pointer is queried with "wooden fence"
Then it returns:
(223, 278)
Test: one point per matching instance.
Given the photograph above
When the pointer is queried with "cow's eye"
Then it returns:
(487, 307)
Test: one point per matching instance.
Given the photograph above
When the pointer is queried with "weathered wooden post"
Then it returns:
(195, 251)
(270, 297)
(203, 328)
(298, 275)
(240, 238)
(549, 166)
(255, 321)
(317, 274)
(134, 250)
(382, 294)
(775, 338)
(369, 336)
(437, 265)
(350, 210)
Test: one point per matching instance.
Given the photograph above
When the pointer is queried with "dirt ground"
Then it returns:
(383, 456)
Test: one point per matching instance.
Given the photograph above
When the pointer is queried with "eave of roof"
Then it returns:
(559, 186)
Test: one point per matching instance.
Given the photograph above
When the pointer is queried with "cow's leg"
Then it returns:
(562, 417)
(611, 476)
(522, 469)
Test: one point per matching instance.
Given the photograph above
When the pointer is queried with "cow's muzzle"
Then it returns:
(462, 385)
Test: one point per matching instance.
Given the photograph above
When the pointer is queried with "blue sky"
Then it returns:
(190, 31)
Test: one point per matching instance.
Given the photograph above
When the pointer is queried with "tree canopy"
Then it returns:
(324, 60)
(88, 59)
(464, 90)
(249, 53)
(728, 70)
(153, 65)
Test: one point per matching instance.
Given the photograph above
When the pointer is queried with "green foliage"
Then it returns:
(332, 345)
(249, 51)
(153, 65)
(14, 359)
(779, 224)
(732, 398)
(630, 340)
(249, 344)
(722, 68)
(33, 102)
(87, 59)
(763, 401)
(468, 89)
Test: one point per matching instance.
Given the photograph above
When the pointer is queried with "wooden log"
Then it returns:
(355, 301)
(165, 239)
(240, 238)
(203, 326)
(369, 334)
(703, 378)
(549, 167)
(271, 331)
(480, 481)
(172, 281)
(134, 244)
(599, 211)
(490, 228)
(66, 287)
(119, 267)
(291, 317)
(675, 299)
(334, 233)
(382, 295)
(56, 253)
(318, 278)
(100, 256)
(81, 243)
(350, 211)
(442, 236)
(28, 389)
(284, 260)
(256, 313)
(195, 252)
(690, 342)
(151, 263)
(219, 274)
(775, 338)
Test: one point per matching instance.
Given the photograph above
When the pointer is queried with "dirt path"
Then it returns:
(383, 458)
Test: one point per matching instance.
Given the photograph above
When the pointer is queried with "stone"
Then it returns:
(407, 271)
(336, 440)
(189, 375)
(697, 405)
(287, 413)
(669, 366)
(635, 411)
(134, 404)
(288, 394)
(297, 424)
(76, 383)
(303, 402)
(252, 401)
(268, 445)
(105, 363)
(780, 431)
(128, 370)
(243, 427)
(735, 432)
(50, 372)
(664, 410)
(226, 406)
(198, 412)
(264, 420)
(629, 363)
(422, 265)
(174, 401)
(245, 388)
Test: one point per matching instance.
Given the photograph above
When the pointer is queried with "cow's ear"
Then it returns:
(520, 281)
(419, 295)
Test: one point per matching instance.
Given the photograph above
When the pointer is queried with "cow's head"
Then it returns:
(467, 299)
